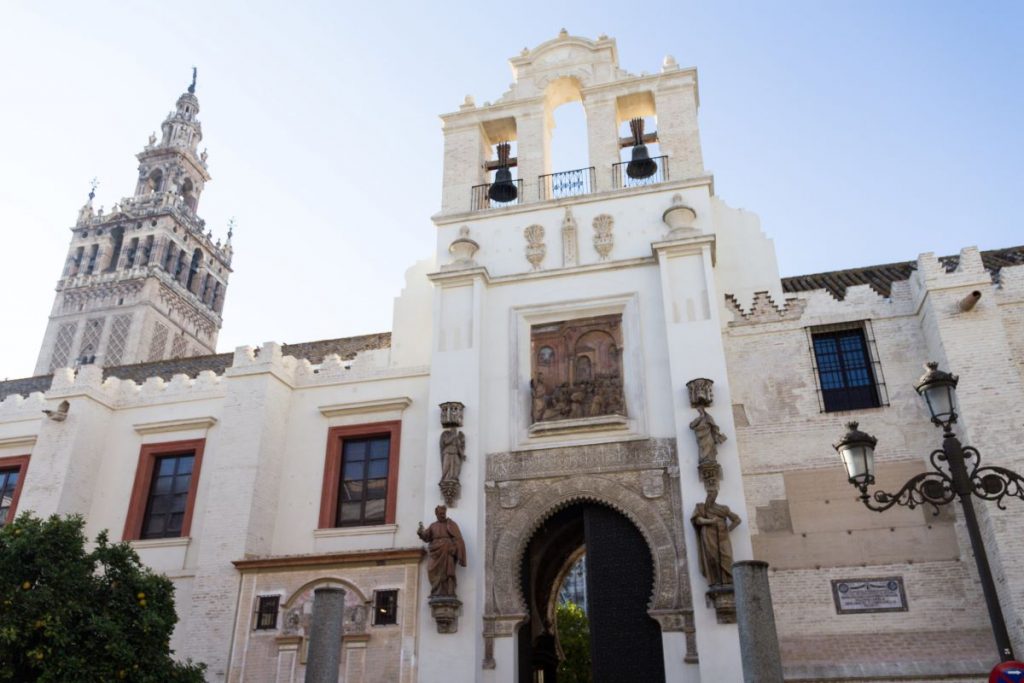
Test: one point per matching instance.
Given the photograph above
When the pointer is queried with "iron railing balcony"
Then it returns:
(480, 199)
(566, 183)
(620, 179)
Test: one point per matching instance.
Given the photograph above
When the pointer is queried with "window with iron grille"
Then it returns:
(385, 608)
(266, 612)
(847, 369)
(168, 496)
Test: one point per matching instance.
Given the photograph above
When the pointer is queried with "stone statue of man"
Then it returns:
(445, 548)
(708, 436)
(714, 549)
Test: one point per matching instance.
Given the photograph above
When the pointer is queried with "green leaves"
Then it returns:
(574, 641)
(69, 615)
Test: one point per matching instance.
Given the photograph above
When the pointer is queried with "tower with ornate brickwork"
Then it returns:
(146, 281)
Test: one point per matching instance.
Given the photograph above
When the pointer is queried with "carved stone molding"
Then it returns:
(445, 611)
(535, 249)
(723, 599)
(187, 312)
(603, 238)
(570, 246)
(619, 475)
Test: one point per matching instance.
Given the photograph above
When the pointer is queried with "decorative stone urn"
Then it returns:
(463, 249)
(679, 218)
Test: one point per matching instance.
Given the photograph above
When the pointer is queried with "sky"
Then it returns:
(860, 132)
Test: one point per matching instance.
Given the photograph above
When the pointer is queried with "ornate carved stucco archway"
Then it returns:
(639, 479)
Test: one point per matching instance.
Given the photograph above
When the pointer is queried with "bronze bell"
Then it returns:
(641, 166)
(503, 190)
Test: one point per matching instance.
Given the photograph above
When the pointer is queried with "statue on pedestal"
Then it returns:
(445, 549)
(707, 432)
(713, 523)
(453, 451)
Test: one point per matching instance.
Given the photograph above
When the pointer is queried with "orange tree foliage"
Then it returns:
(574, 640)
(69, 615)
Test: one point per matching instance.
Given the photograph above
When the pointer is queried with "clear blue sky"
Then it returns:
(860, 132)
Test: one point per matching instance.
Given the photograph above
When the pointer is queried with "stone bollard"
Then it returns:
(759, 643)
(324, 658)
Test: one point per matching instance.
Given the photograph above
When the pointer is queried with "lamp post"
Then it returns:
(957, 473)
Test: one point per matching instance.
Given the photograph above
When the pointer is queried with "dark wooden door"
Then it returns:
(625, 643)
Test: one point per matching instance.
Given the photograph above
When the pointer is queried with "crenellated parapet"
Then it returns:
(763, 309)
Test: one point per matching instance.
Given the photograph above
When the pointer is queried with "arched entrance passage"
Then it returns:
(625, 642)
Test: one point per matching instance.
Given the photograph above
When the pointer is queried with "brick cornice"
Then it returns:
(396, 555)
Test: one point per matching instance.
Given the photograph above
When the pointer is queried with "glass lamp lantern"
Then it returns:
(938, 388)
(857, 450)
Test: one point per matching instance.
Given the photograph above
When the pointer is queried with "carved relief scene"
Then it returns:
(576, 369)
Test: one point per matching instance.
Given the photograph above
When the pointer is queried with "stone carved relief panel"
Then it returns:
(576, 369)
(535, 248)
(639, 479)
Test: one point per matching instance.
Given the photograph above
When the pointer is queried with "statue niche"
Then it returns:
(576, 369)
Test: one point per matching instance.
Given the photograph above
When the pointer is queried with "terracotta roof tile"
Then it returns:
(880, 278)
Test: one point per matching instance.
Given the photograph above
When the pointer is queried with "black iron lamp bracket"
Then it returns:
(940, 487)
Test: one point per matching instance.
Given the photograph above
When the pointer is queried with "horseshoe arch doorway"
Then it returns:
(625, 642)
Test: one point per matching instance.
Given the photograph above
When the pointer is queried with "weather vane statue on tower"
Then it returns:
(192, 87)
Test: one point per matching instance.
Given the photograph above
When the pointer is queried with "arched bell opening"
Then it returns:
(116, 244)
(619, 583)
(155, 183)
(193, 270)
(566, 168)
(640, 157)
(188, 194)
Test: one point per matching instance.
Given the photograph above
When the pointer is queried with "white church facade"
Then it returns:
(568, 315)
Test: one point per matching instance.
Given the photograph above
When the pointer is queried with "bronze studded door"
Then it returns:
(625, 643)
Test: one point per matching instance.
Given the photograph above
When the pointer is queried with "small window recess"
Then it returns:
(385, 607)
(267, 608)
(874, 361)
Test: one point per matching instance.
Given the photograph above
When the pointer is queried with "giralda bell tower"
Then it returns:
(147, 280)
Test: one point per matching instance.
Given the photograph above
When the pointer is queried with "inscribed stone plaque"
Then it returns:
(860, 596)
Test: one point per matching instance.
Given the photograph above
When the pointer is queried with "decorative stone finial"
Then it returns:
(563, 33)
(468, 102)
(669, 63)
(679, 218)
(462, 249)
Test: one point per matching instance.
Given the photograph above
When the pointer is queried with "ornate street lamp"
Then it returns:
(957, 473)
(938, 389)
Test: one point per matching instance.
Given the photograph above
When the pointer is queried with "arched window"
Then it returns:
(156, 181)
(179, 267)
(197, 260)
(567, 163)
(188, 194)
(117, 241)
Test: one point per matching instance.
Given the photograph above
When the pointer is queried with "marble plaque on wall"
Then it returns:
(861, 596)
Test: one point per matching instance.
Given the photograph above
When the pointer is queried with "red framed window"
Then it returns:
(164, 493)
(12, 476)
(360, 475)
